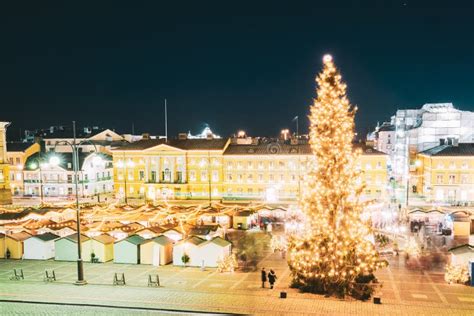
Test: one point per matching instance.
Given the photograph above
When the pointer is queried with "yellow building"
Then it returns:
(155, 169)
(5, 194)
(446, 173)
(17, 153)
(272, 171)
(237, 169)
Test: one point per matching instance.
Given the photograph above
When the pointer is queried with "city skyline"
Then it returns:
(227, 68)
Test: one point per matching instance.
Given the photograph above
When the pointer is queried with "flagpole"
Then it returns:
(166, 121)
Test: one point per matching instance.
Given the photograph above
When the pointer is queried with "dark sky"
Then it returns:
(228, 64)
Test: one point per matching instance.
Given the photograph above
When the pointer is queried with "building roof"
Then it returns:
(244, 213)
(19, 236)
(368, 150)
(18, 146)
(135, 239)
(25, 212)
(185, 144)
(163, 240)
(462, 149)
(65, 160)
(46, 236)
(268, 148)
(67, 132)
(195, 240)
(220, 241)
(73, 238)
(104, 239)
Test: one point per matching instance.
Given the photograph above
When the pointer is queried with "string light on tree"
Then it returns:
(335, 254)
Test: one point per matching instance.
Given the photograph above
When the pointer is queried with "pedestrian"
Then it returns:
(264, 277)
(271, 278)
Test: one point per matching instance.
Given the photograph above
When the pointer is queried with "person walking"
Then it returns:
(271, 278)
(264, 277)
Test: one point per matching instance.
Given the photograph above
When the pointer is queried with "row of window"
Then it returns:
(453, 179)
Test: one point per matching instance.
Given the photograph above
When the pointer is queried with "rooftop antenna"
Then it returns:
(166, 121)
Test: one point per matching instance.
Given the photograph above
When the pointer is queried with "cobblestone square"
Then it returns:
(191, 289)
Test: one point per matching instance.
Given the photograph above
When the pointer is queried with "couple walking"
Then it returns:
(271, 278)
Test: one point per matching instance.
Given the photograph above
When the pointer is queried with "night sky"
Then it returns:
(228, 64)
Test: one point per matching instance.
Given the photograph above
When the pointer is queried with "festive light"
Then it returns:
(456, 274)
(334, 254)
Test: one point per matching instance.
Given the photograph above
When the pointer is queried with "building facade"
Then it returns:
(445, 173)
(5, 193)
(226, 169)
(42, 178)
(17, 154)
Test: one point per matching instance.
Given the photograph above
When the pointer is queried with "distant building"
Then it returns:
(237, 169)
(445, 173)
(17, 154)
(41, 177)
(5, 193)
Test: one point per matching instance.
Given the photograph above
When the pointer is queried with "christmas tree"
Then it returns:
(334, 255)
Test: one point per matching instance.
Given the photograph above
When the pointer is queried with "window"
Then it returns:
(192, 175)
(229, 177)
(452, 165)
(249, 164)
(239, 178)
(249, 177)
(230, 165)
(153, 176)
(130, 174)
(141, 175)
(282, 177)
(204, 176)
(131, 190)
(69, 191)
(69, 178)
(260, 165)
(452, 179)
(293, 177)
(215, 175)
(464, 165)
(250, 191)
(379, 165)
(166, 175)
(17, 160)
(464, 179)
(260, 177)
(270, 165)
(439, 179)
(272, 178)
(281, 164)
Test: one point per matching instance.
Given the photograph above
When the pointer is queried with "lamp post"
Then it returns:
(37, 162)
(75, 161)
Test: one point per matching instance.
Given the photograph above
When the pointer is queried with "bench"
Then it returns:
(49, 275)
(119, 279)
(17, 275)
(154, 280)
(95, 260)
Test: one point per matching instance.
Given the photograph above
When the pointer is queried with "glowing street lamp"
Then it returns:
(55, 160)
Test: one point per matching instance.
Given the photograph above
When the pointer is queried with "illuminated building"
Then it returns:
(5, 193)
(157, 169)
(415, 130)
(42, 177)
(445, 173)
(17, 153)
(237, 169)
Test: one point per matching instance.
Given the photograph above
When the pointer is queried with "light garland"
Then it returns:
(334, 253)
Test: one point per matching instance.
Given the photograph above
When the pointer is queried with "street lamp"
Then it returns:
(54, 160)
(38, 164)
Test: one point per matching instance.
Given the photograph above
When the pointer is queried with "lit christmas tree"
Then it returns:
(334, 256)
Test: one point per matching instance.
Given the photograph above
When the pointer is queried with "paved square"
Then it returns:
(404, 292)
